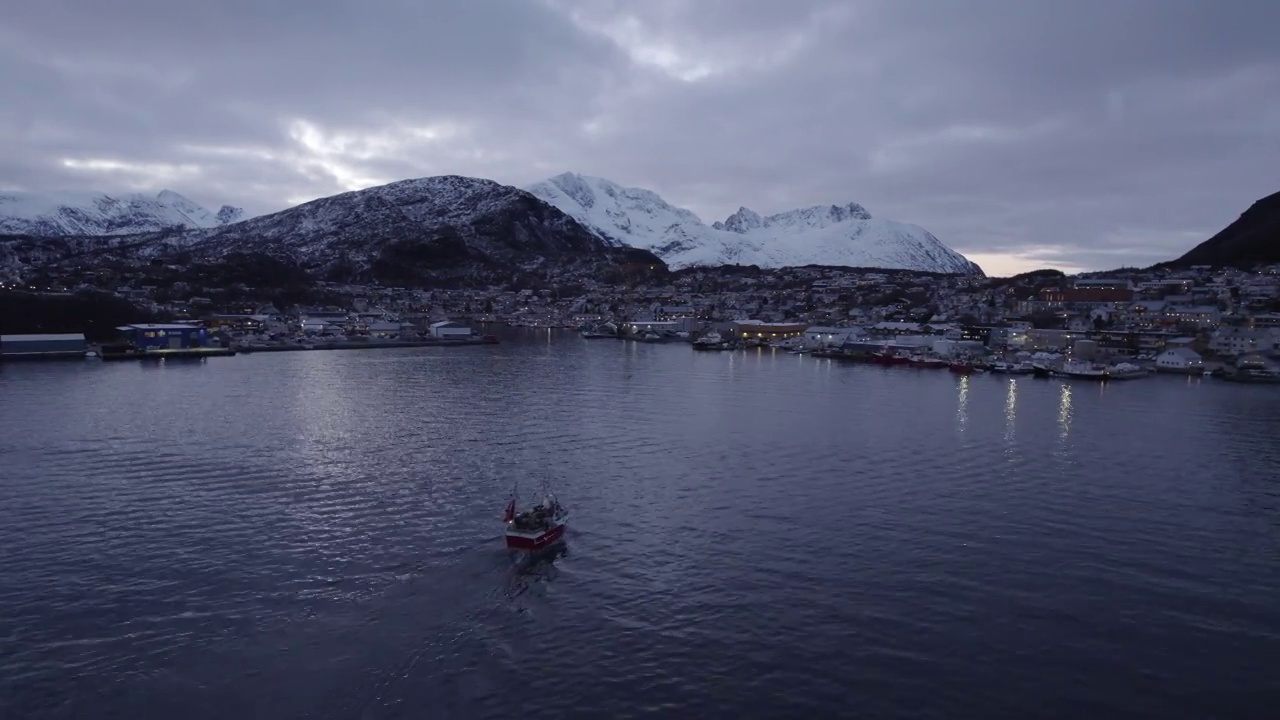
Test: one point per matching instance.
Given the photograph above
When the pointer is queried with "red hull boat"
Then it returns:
(538, 527)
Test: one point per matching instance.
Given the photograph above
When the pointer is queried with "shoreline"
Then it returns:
(300, 347)
(96, 352)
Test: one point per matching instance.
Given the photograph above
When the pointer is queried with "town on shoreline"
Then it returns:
(1190, 320)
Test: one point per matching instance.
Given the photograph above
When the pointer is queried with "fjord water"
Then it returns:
(753, 535)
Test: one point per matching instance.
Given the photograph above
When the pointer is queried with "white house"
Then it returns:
(1242, 340)
(1180, 360)
(449, 329)
(817, 335)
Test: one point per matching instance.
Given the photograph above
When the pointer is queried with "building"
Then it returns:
(449, 329)
(1268, 320)
(1199, 316)
(1103, 284)
(1241, 340)
(1049, 339)
(768, 331)
(49, 346)
(246, 323)
(639, 327)
(890, 327)
(819, 335)
(1085, 296)
(1143, 314)
(164, 336)
(1083, 349)
(674, 312)
(1180, 360)
(385, 329)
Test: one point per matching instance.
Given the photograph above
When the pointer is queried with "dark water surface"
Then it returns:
(753, 535)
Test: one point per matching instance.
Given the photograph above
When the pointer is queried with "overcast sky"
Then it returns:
(1080, 134)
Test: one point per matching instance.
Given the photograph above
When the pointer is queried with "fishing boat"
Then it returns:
(928, 362)
(537, 527)
(1126, 371)
(889, 357)
(1083, 370)
(1009, 368)
(1251, 368)
(711, 341)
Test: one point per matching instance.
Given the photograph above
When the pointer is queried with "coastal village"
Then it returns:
(1194, 320)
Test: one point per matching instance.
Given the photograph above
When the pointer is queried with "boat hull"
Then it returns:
(519, 540)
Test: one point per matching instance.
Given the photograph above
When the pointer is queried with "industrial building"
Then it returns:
(449, 329)
(764, 330)
(153, 336)
(42, 347)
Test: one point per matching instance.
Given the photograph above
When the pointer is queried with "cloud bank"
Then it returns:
(1081, 135)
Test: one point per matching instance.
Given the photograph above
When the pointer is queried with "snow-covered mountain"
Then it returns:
(409, 229)
(409, 232)
(844, 235)
(92, 213)
(228, 215)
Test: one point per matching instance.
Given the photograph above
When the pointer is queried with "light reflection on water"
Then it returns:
(1010, 416)
(316, 535)
(1064, 414)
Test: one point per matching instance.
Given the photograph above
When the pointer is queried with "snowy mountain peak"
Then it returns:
(409, 230)
(612, 212)
(819, 216)
(741, 222)
(96, 213)
(841, 235)
(576, 187)
(228, 214)
(195, 215)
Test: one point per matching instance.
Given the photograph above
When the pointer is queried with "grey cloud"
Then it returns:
(1091, 133)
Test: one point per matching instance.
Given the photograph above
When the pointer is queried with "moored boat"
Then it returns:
(1250, 368)
(711, 341)
(1082, 370)
(889, 357)
(927, 362)
(1126, 371)
(1009, 368)
(538, 527)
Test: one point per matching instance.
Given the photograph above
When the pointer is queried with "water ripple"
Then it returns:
(316, 535)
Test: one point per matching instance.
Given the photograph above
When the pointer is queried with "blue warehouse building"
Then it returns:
(153, 336)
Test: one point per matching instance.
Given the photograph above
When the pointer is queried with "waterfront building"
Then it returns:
(768, 331)
(146, 336)
(21, 347)
(449, 329)
(1181, 360)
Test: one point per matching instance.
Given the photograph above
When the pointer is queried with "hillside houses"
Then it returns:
(1219, 312)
